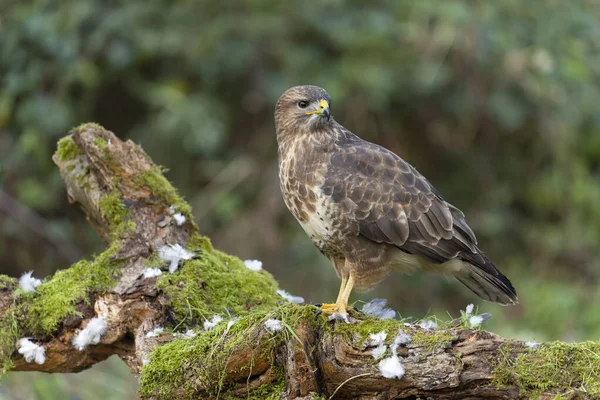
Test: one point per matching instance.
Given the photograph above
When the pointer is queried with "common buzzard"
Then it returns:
(368, 210)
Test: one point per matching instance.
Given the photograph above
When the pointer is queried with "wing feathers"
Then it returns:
(443, 216)
(395, 231)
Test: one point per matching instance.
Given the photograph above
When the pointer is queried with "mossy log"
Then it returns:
(130, 204)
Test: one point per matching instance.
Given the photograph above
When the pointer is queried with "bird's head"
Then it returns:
(303, 108)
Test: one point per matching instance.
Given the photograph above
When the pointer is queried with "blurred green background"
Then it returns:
(496, 102)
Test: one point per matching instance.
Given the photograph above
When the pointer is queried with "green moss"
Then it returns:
(56, 299)
(270, 391)
(432, 339)
(217, 284)
(199, 242)
(115, 213)
(557, 368)
(100, 142)
(154, 261)
(9, 334)
(9, 331)
(7, 281)
(67, 149)
(162, 189)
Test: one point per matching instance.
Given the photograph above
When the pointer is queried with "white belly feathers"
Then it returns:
(319, 226)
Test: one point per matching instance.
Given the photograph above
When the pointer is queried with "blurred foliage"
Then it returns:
(495, 102)
(108, 380)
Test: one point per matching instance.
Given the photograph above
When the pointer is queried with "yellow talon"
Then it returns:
(330, 309)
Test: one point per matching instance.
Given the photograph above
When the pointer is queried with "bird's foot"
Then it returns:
(335, 312)
(330, 309)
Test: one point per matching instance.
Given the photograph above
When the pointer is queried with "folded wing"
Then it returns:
(395, 204)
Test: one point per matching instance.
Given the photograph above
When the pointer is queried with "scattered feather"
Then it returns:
(186, 335)
(208, 325)
(485, 316)
(230, 323)
(31, 351)
(378, 351)
(179, 219)
(174, 254)
(376, 308)
(428, 324)
(339, 317)
(91, 334)
(391, 367)
(155, 332)
(377, 338)
(273, 325)
(189, 333)
(475, 321)
(532, 344)
(28, 283)
(145, 361)
(254, 265)
(290, 298)
(402, 338)
(469, 309)
(151, 272)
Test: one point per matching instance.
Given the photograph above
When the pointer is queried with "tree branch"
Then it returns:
(131, 205)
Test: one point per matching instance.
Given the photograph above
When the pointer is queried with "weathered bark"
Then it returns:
(320, 358)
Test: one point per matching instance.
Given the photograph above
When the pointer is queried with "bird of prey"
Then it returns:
(369, 211)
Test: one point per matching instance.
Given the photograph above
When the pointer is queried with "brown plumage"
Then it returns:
(368, 210)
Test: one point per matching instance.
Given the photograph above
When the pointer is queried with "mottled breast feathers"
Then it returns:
(394, 204)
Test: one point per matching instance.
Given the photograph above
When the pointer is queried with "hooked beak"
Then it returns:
(323, 110)
(326, 113)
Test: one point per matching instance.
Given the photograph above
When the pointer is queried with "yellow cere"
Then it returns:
(323, 104)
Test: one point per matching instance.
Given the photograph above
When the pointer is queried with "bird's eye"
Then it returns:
(303, 104)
